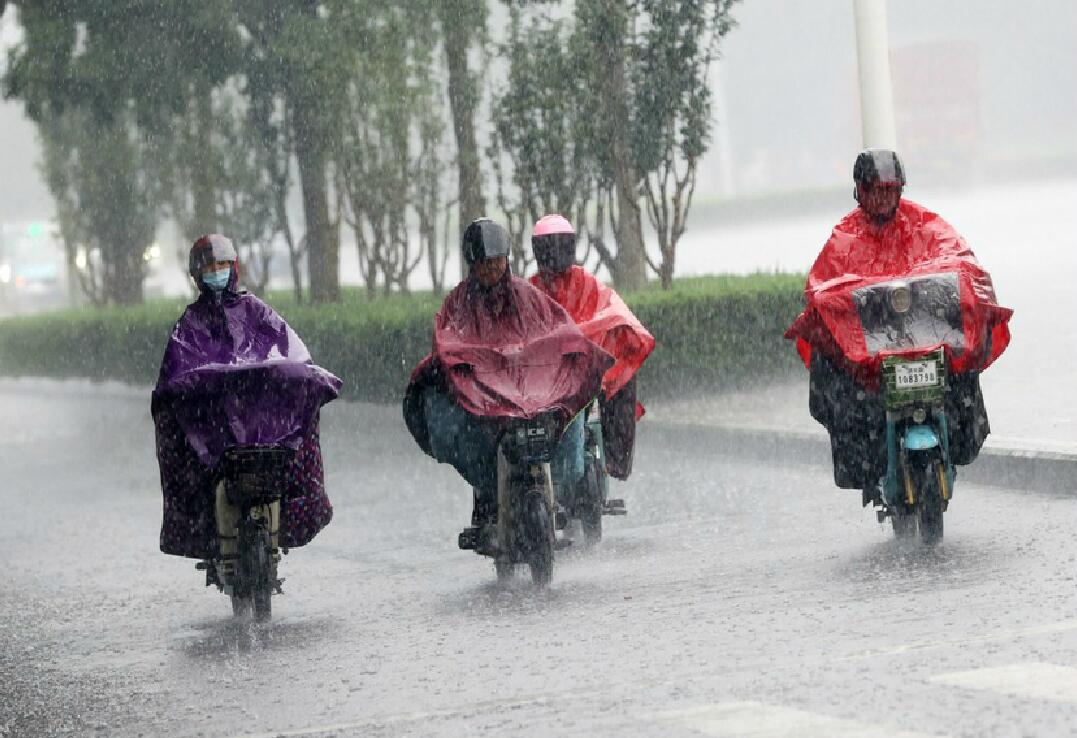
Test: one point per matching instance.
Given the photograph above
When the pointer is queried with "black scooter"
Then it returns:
(248, 495)
(524, 532)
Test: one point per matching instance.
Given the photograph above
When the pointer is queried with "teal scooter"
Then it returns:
(919, 477)
(591, 499)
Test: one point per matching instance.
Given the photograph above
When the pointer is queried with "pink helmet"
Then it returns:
(554, 244)
(548, 225)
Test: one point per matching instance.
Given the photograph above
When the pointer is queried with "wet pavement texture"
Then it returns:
(737, 598)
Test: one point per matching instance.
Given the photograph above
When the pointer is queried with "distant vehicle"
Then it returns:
(33, 274)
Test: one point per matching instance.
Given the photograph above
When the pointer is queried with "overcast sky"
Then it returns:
(788, 86)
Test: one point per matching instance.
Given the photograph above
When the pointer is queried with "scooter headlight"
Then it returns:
(900, 298)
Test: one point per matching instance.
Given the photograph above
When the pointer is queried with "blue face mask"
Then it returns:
(217, 280)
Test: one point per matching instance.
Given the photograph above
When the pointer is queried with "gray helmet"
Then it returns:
(484, 239)
(209, 250)
(878, 165)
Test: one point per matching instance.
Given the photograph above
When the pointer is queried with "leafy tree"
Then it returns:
(99, 80)
(268, 125)
(224, 177)
(604, 34)
(612, 113)
(671, 130)
(391, 161)
(539, 126)
(106, 206)
(297, 48)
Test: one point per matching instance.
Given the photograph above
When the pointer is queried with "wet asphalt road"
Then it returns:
(738, 598)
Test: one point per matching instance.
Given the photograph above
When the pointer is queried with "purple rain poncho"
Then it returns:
(234, 373)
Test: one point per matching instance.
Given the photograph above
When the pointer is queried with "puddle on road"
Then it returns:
(222, 639)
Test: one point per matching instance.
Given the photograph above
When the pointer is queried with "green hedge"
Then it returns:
(711, 332)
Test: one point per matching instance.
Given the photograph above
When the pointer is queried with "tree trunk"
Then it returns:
(121, 223)
(294, 257)
(323, 247)
(463, 100)
(312, 136)
(125, 278)
(630, 265)
(631, 270)
(204, 182)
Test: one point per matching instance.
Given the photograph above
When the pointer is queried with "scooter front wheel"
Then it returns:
(505, 569)
(539, 539)
(256, 574)
(241, 607)
(904, 524)
(264, 576)
(931, 505)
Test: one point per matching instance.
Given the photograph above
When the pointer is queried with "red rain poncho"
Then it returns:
(604, 318)
(506, 352)
(858, 254)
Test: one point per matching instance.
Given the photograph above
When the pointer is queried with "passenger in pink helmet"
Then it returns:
(605, 319)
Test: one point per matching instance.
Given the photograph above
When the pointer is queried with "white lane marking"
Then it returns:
(399, 718)
(1033, 680)
(757, 720)
(1001, 635)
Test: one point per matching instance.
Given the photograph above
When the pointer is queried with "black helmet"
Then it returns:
(484, 239)
(210, 250)
(878, 165)
(875, 168)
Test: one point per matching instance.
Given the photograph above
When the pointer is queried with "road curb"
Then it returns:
(1023, 469)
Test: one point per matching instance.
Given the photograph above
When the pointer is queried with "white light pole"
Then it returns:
(873, 57)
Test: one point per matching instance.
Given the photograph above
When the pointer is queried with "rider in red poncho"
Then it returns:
(886, 237)
(605, 319)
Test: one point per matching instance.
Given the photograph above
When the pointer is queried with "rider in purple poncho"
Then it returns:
(234, 373)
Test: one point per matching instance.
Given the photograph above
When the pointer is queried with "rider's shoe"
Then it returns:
(871, 495)
(212, 576)
(479, 536)
(484, 510)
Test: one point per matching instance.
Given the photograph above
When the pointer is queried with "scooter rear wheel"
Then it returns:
(590, 510)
